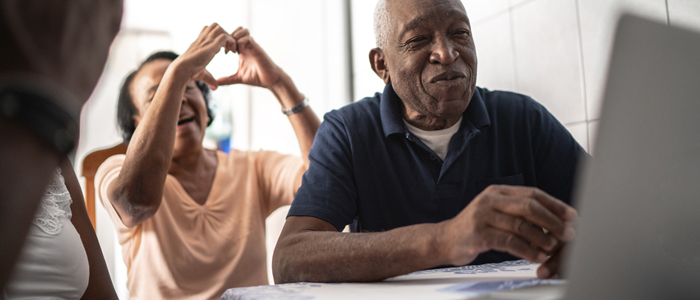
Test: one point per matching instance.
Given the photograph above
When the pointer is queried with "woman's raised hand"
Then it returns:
(254, 67)
(195, 60)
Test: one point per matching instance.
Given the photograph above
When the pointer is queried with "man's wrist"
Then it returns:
(447, 253)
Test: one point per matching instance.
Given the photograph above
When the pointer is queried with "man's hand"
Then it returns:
(508, 219)
(254, 67)
(551, 267)
(210, 41)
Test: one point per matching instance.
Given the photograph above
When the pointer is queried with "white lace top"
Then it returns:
(54, 209)
(53, 263)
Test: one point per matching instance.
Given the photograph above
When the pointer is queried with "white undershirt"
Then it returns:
(53, 263)
(437, 140)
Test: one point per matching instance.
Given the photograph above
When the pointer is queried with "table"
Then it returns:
(507, 280)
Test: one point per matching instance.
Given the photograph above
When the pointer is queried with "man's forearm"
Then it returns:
(331, 256)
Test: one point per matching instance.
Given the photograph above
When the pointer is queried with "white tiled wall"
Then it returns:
(598, 20)
(547, 57)
(494, 48)
(684, 13)
(557, 51)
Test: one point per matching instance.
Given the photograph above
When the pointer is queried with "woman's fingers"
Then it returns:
(240, 32)
(207, 78)
(231, 45)
(233, 79)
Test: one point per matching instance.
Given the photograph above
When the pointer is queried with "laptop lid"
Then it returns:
(639, 198)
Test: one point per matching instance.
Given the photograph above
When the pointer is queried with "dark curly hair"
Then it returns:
(125, 104)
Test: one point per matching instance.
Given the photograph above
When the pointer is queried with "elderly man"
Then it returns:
(432, 172)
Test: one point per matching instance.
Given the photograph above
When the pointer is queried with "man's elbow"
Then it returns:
(288, 263)
(281, 264)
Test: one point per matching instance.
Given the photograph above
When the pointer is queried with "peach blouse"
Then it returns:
(192, 251)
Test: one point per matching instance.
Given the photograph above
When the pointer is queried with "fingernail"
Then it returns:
(541, 257)
(571, 215)
(569, 233)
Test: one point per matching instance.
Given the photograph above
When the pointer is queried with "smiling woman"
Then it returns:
(190, 220)
(126, 107)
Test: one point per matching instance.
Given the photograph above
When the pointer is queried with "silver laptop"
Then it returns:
(639, 198)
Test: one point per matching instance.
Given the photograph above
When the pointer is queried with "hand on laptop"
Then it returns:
(509, 219)
(551, 267)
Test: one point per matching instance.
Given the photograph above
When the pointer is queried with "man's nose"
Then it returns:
(443, 51)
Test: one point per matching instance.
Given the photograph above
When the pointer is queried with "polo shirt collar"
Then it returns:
(392, 121)
(476, 112)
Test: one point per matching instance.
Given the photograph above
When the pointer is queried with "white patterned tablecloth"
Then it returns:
(447, 283)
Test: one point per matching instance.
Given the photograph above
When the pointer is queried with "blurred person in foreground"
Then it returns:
(51, 56)
(191, 221)
(432, 172)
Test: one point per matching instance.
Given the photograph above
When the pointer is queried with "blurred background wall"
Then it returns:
(555, 51)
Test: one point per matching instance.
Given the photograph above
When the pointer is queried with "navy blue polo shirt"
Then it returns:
(369, 171)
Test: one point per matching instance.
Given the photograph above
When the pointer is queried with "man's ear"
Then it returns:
(378, 62)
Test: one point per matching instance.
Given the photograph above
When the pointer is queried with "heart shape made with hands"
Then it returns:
(223, 64)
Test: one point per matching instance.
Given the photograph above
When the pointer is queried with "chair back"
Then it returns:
(90, 165)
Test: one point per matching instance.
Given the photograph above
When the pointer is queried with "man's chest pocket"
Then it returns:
(508, 180)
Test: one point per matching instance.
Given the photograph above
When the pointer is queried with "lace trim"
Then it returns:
(54, 208)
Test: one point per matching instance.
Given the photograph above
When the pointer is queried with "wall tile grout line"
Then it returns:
(577, 123)
(516, 85)
(350, 60)
(489, 17)
(583, 73)
(521, 3)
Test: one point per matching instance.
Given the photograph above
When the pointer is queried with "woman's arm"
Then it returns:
(137, 192)
(100, 284)
(256, 68)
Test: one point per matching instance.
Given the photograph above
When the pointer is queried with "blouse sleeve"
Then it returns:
(106, 174)
(278, 175)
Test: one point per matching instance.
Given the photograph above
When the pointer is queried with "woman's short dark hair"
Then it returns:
(125, 104)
